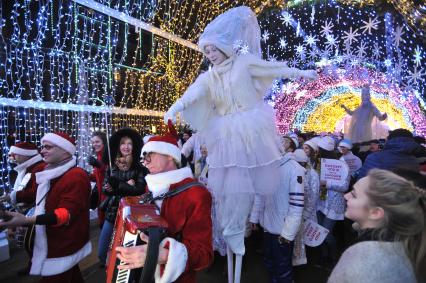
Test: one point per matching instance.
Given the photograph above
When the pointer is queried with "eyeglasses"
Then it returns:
(146, 157)
(47, 147)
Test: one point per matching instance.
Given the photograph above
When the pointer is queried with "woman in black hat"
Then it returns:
(126, 177)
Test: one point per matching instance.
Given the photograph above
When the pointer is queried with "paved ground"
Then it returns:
(253, 269)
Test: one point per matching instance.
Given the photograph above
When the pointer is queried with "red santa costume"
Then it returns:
(62, 191)
(188, 215)
(98, 176)
(28, 168)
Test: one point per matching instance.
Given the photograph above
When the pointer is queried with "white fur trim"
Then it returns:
(22, 170)
(59, 141)
(163, 148)
(160, 183)
(176, 262)
(57, 265)
(13, 197)
(24, 152)
(40, 242)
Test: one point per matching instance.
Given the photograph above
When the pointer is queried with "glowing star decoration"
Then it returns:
(265, 36)
(286, 18)
(371, 24)
(398, 35)
(327, 28)
(311, 40)
(350, 36)
(417, 56)
(283, 43)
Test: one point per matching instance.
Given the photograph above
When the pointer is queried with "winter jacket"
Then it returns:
(281, 213)
(398, 152)
(137, 173)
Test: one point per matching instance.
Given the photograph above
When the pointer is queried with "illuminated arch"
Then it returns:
(316, 107)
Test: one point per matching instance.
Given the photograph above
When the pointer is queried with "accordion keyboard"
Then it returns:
(123, 275)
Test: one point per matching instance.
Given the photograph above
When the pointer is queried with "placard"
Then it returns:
(334, 171)
(313, 233)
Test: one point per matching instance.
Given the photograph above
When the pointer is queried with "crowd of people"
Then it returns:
(234, 175)
(382, 195)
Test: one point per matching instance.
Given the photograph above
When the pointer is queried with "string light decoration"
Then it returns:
(44, 43)
(414, 11)
(352, 47)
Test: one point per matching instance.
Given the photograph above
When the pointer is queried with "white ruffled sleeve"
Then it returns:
(264, 72)
(196, 102)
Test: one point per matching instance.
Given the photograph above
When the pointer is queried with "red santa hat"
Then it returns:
(24, 148)
(61, 140)
(166, 145)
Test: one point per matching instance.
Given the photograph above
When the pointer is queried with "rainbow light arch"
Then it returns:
(315, 106)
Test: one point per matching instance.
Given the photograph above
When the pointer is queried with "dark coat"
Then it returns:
(122, 189)
(118, 178)
(398, 152)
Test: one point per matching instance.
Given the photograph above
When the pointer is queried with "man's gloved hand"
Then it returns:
(93, 162)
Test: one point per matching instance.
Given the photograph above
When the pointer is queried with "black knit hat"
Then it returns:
(114, 144)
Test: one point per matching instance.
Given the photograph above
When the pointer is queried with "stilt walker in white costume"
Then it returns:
(225, 104)
(360, 126)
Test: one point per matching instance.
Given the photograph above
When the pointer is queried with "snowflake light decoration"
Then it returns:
(332, 41)
(327, 28)
(415, 76)
(371, 24)
(286, 18)
(351, 36)
(311, 40)
(361, 52)
(283, 43)
(398, 35)
(417, 56)
(265, 36)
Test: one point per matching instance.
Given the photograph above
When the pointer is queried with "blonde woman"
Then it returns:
(391, 213)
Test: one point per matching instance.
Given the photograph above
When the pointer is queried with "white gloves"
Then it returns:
(309, 74)
(173, 110)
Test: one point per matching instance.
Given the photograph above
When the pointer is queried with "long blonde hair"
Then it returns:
(404, 206)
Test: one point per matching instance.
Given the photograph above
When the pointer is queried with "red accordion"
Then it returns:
(135, 216)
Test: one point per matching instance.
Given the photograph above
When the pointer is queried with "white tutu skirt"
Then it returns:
(244, 153)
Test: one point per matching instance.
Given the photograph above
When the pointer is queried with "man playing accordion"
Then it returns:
(188, 245)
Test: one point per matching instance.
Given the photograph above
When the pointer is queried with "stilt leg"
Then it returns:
(230, 264)
(238, 265)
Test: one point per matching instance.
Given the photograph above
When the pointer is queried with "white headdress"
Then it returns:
(235, 31)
